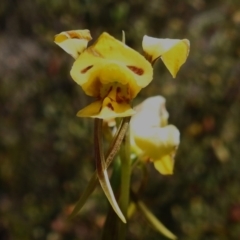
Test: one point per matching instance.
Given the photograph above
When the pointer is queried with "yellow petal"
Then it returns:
(176, 57)
(150, 113)
(165, 165)
(73, 42)
(157, 142)
(106, 110)
(134, 148)
(112, 49)
(107, 73)
(173, 52)
(91, 110)
(109, 60)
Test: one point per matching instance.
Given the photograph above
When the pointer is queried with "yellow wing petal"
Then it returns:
(175, 57)
(73, 42)
(173, 52)
(155, 47)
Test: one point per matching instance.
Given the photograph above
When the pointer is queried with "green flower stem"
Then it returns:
(125, 182)
(116, 144)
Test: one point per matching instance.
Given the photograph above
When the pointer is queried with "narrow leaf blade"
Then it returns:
(85, 195)
(154, 221)
(105, 184)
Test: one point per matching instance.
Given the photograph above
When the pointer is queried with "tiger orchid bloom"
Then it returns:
(114, 73)
(151, 136)
(108, 70)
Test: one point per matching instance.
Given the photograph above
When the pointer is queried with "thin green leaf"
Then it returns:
(85, 195)
(102, 172)
(154, 221)
(114, 148)
(105, 184)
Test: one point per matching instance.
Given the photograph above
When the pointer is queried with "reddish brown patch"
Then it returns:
(110, 89)
(121, 97)
(86, 69)
(138, 71)
(84, 34)
(110, 106)
(94, 52)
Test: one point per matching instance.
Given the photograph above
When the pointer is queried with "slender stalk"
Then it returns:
(125, 183)
(116, 143)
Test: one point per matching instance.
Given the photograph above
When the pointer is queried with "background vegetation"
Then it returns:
(46, 151)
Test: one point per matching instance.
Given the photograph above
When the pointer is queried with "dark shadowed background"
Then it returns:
(46, 154)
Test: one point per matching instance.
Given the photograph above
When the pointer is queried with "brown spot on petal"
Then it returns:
(110, 106)
(118, 90)
(81, 34)
(119, 98)
(86, 69)
(138, 71)
(94, 52)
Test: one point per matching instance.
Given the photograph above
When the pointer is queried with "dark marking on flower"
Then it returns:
(86, 69)
(138, 71)
(85, 34)
(110, 89)
(94, 52)
(123, 96)
(74, 35)
(109, 105)
(119, 98)
(153, 61)
(149, 58)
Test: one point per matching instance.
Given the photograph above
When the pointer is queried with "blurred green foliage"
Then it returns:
(46, 155)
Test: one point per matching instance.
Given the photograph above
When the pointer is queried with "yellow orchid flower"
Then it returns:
(152, 138)
(173, 52)
(108, 70)
(114, 73)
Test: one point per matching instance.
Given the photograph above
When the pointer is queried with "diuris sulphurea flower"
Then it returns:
(114, 73)
(151, 136)
(109, 71)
